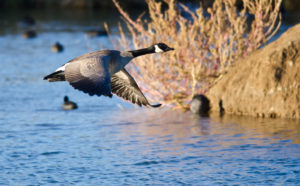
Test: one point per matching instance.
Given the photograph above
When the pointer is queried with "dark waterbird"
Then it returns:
(103, 73)
(29, 34)
(57, 47)
(69, 105)
(200, 104)
(94, 33)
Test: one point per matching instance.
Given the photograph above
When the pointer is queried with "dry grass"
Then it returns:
(205, 46)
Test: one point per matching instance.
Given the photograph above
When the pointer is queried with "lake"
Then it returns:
(109, 141)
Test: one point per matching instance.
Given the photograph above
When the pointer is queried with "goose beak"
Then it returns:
(168, 49)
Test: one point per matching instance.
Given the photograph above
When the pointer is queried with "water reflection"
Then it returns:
(178, 126)
(277, 129)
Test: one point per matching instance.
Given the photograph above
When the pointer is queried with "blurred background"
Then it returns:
(84, 15)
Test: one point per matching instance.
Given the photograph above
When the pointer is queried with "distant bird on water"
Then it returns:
(27, 21)
(94, 33)
(57, 47)
(103, 73)
(200, 104)
(29, 34)
(68, 105)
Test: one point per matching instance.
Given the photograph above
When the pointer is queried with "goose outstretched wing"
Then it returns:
(124, 86)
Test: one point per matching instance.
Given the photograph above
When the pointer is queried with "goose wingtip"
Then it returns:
(156, 105)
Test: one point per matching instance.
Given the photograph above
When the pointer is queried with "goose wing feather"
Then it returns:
(90, 75)
(124, 86)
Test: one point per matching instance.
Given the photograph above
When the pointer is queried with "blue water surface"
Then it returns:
(110, 142)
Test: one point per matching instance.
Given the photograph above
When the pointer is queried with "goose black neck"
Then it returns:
(66, 99)
(143, 51)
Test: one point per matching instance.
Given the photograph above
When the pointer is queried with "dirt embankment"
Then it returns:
(264, 84)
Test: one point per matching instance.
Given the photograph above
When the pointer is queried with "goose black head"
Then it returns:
(161, 47)
(66, 99)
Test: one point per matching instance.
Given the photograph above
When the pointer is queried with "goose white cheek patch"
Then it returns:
(157, 49)
(62, 68)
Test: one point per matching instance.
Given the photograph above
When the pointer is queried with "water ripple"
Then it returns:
(51, 153)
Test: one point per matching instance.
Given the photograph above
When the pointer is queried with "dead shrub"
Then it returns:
(206, 42)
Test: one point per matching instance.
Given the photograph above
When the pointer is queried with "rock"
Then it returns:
(264, 84)
(200, 105)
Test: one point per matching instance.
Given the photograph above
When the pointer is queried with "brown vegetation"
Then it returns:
(206, 46)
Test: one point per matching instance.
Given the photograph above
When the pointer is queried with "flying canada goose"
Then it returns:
(103, 73)
(68, 105)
